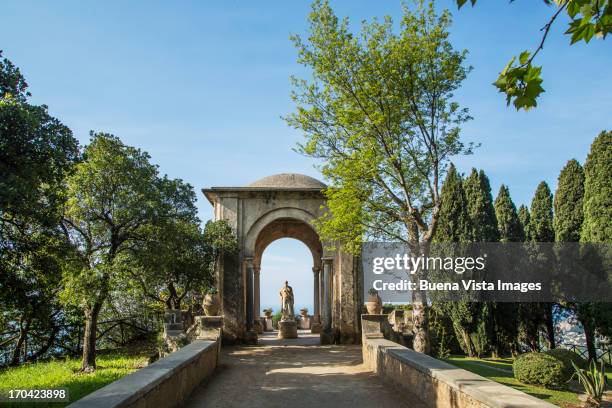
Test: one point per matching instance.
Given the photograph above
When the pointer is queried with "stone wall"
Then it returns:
(431, 382)
(167, 382)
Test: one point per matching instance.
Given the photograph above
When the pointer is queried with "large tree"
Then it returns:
(455, 226)
(597, 228)
(510, 230)
(484, 227)
(567, 219)
(508, 223)
(175, 259)
(525, 219)
(541, 230)
(112, 195)
(36, 153)
(379, 113)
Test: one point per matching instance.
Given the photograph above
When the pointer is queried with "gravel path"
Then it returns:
(294, 374)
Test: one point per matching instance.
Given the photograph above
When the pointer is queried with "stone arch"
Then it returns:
(288, 228)
(283, 220)
(274, 207)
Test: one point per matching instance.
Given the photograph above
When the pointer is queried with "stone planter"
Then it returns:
(211, 304)
(374, 304)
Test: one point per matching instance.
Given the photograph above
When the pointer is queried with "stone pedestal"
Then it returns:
(268, 326)
(208, 327)
(328, 336)
(258, 326)
(316, 328)
(287, 329)
(305, 323)
(250, 337)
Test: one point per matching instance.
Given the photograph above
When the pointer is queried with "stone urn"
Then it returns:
(211, 304)
(374, 303)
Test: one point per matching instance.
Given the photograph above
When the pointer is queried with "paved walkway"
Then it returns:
(294, 374)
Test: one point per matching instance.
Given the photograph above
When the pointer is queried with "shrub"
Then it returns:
(566, 357)
(540, 368)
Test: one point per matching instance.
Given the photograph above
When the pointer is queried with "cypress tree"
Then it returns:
(454, 223)
(596, 227)
(541, 221)
(509, 225)
(480, 207)
(510, 230)
(484, 229)
(597, 205)
(567, 220)
(541, 230)
(454, 226)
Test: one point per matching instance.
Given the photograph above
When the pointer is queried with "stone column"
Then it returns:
(316, 315)
(316, 271)
(327, 293)
(250, 270)
(258, 327)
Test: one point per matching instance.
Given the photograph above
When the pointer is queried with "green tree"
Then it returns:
(598, 191)
(379, 114)
(508, 223)
(520, 80)
(541, 215)
(480, 207)
(568, 216)
(175, 259)
(36, 153)
(112, 195)
(541, 230)
(510, 230)
(455, 226)
(525, 219)
(597, 212)
(484, 226)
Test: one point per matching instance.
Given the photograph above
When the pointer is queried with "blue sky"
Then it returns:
(201, 86)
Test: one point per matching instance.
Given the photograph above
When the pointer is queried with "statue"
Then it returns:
(286, 295)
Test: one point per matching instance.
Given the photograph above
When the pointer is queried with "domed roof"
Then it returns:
(288, 180)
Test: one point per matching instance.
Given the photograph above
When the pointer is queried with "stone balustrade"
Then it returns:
(432, 382)
(167, 382)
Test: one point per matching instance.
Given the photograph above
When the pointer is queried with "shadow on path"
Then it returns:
(293, 374)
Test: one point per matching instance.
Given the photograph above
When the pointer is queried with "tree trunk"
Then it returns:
(88, 362)
(421, 322)
(550, 325)
(420, 312)
(589, 334)
(467, 340)
(23, 334)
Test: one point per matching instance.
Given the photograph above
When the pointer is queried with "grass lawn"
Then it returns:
(111, 366)
(500, 370)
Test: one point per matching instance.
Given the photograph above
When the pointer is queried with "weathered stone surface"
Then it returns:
(305, 323)
(268, 325)
(287, 329)
(167, 382)
(432, 382)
